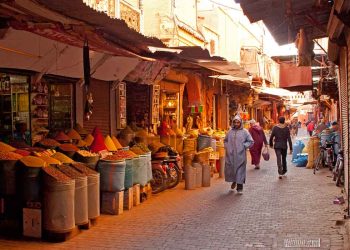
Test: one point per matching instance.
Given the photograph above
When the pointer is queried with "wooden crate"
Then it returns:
(32, 222)
(128, 199)
(112, 202)
(136, 194)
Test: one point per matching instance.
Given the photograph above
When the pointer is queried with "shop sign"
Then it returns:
(196, 109)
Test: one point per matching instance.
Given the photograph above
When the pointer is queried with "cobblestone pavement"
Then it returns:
(270, 214)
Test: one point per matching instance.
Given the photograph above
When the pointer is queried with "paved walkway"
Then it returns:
(270, 214)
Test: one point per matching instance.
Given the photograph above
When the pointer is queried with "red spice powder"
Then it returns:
(98, 144)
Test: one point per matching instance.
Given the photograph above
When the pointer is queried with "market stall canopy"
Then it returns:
(147, 72)
(115, 30)
(76, 19)
(295, 78)
(239, 79)
(285, 18)
(273, 91)
(25, 50)
(260, 103)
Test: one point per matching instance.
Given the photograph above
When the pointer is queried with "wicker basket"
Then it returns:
(221, 151)
(202, 157)
(190, 144)
(188, 158)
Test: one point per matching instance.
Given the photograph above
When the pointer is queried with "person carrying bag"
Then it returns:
(265, 154)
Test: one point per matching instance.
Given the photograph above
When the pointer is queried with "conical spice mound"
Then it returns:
(80, 129)
(110, 144)
(98, 143)
(116, 142)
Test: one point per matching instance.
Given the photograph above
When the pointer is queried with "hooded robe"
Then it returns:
(259, 138)
(236, 142)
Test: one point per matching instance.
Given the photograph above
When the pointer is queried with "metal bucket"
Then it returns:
(199, 173)
(190, 177)
(206, 175)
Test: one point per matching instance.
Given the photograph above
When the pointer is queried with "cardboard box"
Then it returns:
(32, 222)
(136, 194)
(128, 199)
(112, 202)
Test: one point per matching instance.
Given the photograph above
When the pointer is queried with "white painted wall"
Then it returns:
(153, 13)
(186, 11)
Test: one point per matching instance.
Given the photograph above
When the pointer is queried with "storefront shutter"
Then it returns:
(344, 106)
(101, 107)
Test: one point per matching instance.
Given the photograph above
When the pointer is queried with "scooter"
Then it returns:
(166, 171)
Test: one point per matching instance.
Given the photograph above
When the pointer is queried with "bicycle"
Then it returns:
(325, 157)
(318, 163)
(338, 171)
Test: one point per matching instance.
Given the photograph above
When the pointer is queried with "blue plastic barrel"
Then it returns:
(112, 174)
(140, 170)
(149, 167)
(204, 141)
(128, 182)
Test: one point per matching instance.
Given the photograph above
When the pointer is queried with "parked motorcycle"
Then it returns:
(166, 170)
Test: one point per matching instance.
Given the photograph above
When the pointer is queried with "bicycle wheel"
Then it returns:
(317, 163)
(338, 181)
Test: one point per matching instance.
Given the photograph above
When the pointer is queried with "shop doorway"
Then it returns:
(138, 101)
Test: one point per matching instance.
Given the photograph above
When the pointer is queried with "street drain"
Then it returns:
(302, 243)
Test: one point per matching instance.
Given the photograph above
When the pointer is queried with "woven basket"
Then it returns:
(188, 158)
(190, 144)
(202, 157)
(221, 151)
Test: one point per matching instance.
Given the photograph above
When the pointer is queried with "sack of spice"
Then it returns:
(116, 142)
(48, 143)
(110, 144)
(33, 161)
(50, 160)
(89, 139)
(6, 148)
(9, 156)
(62, 158)
(62, 137)
(81, 143)
(73, 134)
(82, 131)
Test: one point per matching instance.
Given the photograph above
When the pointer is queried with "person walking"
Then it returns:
(259, 138)
(236, 142)
(310, 127)
(278, 140)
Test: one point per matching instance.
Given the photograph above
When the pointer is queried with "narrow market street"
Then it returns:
(269, 215)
